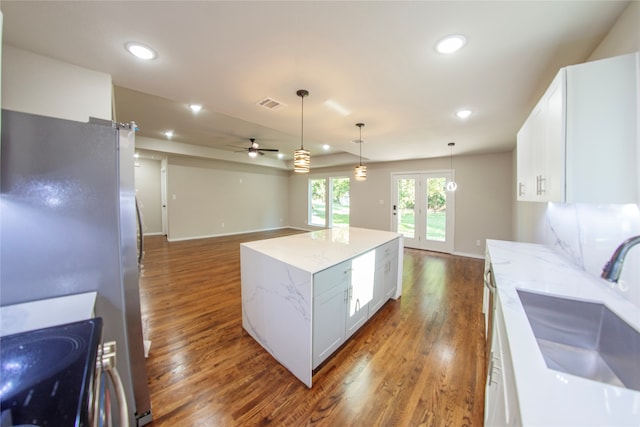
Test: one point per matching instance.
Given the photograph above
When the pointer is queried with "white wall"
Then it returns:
(483, 199)
(148, 194)
(585, 234)
(211, 198)
(41, 85)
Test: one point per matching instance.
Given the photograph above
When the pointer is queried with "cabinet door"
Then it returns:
(391, 276)
(540, 148)
(524, 162)
(329, 308)
(602, 131)
(552, 185)
(360, 292)
(501, 403)
(493, 404)
(379, 288)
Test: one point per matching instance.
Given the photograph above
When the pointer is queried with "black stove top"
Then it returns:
(46, 374)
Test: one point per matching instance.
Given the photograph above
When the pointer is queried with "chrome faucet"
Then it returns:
(613, 267)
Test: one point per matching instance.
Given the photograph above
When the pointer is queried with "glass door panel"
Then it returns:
(436, 215)
(404, 207)
(423, 210)
(406, 216)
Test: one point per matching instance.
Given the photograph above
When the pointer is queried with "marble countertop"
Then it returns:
(547, 397)
(319, 250)
(29, 316)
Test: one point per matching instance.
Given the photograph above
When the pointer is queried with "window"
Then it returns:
(335, 212)
(317, 198)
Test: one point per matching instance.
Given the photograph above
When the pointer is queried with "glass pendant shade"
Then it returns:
(360, 173)
(302, 157)
(451, 185)
(301, 161)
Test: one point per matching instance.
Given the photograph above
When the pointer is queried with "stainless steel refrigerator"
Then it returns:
(68, 225)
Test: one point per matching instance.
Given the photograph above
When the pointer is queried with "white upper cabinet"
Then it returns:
(580, 142)
(541, 148)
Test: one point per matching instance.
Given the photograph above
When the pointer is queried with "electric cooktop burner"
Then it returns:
(46, 375)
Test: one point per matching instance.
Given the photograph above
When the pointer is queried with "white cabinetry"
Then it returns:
(386, 275)
(501, 402)
(303, 295)
(360, 290)
(541, 150)
(330, 289)
(580, 142)
(346, 295)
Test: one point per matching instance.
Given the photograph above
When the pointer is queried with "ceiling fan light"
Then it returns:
(360, 173)
(252, 153)
(301, 161)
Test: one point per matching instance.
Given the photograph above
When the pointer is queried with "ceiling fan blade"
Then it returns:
(260, 152)
(268, 149)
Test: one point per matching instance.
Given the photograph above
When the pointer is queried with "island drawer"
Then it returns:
(330, 278)
(384, 252)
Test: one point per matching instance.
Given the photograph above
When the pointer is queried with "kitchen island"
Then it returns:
(304, 295)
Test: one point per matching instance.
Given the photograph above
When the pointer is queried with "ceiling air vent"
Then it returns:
(271, 104)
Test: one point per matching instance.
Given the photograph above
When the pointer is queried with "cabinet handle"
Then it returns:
(520, 189)
(487, 277)
(542, 181)
(490, 372)
(346, 295)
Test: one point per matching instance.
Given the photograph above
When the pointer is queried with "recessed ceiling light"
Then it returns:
(451, 44)
(140, 51)
(195, 108)
(136, 155)
(463, 114)
(280, 156)
(337, 107)
(169, 134)
(326, 147)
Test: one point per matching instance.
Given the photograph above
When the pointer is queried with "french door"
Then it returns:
(423, 210)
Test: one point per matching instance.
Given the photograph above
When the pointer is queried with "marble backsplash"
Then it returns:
(587, 235)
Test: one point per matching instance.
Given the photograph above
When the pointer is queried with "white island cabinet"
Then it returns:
(304, 295)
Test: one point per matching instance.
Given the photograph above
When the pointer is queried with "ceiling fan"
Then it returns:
(254, 149)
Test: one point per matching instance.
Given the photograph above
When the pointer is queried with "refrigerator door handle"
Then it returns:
(140, 234)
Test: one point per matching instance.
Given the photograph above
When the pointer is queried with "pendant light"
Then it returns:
(451, 185)
(360, 171)
(301, 157)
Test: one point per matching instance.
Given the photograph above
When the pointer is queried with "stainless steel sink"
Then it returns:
(584, 339)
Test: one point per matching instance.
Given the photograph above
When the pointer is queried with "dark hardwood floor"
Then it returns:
(418, 362)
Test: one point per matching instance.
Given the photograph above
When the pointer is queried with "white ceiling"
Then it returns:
(377, 59)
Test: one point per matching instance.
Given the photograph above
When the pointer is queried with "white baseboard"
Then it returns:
(468, 255)
(179, 239)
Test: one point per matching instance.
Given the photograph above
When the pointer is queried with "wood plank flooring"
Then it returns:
(418, 362)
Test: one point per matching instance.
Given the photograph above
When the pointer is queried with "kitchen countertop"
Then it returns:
(319, 250)
(547, 397)
(29, 316)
